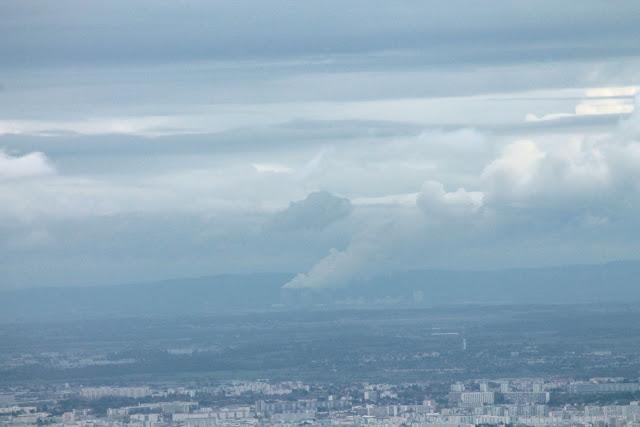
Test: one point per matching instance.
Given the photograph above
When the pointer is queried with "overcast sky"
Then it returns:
(161, 139)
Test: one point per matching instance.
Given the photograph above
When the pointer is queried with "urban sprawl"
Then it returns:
(523, 402)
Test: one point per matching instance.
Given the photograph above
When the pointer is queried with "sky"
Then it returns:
(335, 140)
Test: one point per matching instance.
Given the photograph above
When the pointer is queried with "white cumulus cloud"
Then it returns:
(28, 165)
(435, 201)
(317, 211)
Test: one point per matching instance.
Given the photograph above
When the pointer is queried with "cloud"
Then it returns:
(407, 199)
(575, 176)
(147, 126)
(411, 112)
(589, 107)
(391, 243)
(437, 203)
(565, 177)
(607, 92)
(28, 165)
(515, 169)
(451, 31)
(534, 194)
(315, 212)
(272, 168)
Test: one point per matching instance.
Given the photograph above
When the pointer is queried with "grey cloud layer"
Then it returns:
(447, 31)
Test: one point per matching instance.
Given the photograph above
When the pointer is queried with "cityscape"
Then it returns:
(524, 402)
(456, 366)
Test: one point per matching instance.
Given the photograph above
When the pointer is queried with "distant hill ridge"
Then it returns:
(610, 282)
